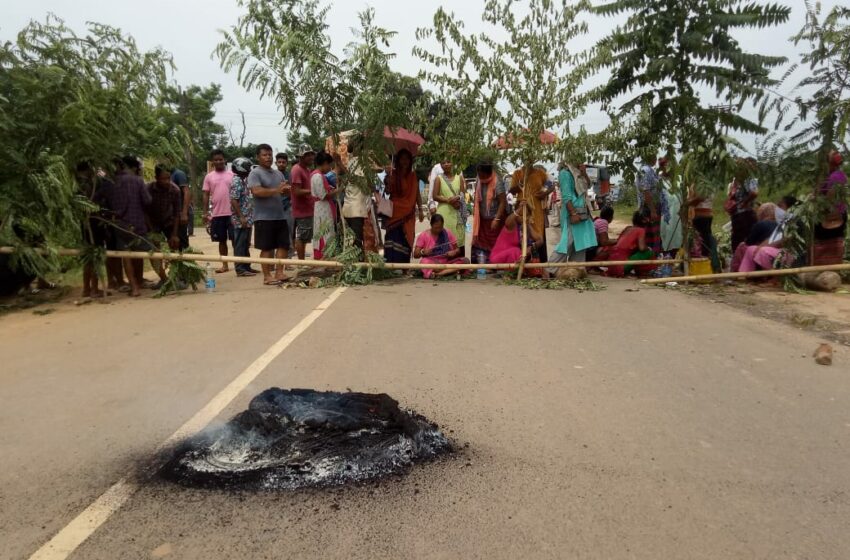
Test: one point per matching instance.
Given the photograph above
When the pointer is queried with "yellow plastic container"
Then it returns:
(700, 267)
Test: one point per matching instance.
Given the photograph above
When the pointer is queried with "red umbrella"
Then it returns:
(546, 137)
(403, 139)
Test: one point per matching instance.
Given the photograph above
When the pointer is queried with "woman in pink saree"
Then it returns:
(438, 245)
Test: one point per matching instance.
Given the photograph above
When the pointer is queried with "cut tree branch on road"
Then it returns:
(524, 85)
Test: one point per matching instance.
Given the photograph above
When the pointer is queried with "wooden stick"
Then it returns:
(524, 239)
(756, 274)
(334, 264)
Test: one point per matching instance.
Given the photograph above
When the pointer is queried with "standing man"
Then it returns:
(187, 212)
(217, 188)
(271, 235)
(127, 200)
(282, 163)
(649, 187)
(302, 199)
(243, 215)
(164, 215)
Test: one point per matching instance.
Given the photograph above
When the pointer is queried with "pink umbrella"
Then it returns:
(546, 137)
(403, 139)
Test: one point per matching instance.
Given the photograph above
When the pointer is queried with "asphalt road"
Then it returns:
(609, 425)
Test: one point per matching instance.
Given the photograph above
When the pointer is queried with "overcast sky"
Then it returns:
(189, 29)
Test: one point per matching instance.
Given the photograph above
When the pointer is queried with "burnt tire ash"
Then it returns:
(298, 438)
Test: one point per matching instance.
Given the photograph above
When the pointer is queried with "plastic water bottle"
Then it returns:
(482, 274)
(210, 279)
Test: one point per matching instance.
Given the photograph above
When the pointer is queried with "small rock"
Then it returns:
(314, 282)
(821, 281)
(162, 551)
(823, 355)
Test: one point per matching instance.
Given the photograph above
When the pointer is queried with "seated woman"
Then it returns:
(604, 243)
(759, 234)
(831, 230)
(631, 246)
(508, 247)
(438, 245)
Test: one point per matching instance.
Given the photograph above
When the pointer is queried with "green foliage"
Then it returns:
(181, 273)
(666, 52)
(188, 114)
(343, 250)
(282, 49)
(821, 105)
(67, 98)
(522, 86)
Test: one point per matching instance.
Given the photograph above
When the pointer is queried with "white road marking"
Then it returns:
(66, 541)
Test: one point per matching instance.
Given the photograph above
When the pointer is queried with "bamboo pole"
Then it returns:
(524, 238)
(524, 241)
(334, 264)
(756, 274)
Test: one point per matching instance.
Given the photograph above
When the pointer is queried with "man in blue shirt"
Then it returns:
(187, 211)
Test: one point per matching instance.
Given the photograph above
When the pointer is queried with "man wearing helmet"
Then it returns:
(242, 217)
(271, 232)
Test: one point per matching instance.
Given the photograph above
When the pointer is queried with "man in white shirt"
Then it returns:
(436, 171)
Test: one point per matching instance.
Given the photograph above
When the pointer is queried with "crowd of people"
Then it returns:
(274, 207)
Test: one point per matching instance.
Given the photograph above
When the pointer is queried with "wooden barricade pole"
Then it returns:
(755, 274)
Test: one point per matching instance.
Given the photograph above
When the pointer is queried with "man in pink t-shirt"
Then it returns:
(302, 199)
(217, 208)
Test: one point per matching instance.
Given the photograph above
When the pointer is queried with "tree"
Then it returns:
(670, 50)
(822, 100)
(282, 49)
(64, 99)
(820, 116)
(190, 115)
(524, 85)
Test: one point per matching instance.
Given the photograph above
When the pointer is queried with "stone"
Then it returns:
(820, 281)
(823, 355)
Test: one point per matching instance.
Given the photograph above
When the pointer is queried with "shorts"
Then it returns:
(221, 229)
(304, 229)
(270, 235)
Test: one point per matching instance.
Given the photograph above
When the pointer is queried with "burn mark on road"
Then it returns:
(298, 438)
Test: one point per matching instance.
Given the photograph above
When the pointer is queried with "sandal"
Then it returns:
(271, 282)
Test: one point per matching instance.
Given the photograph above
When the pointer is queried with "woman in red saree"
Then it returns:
(403, 187)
